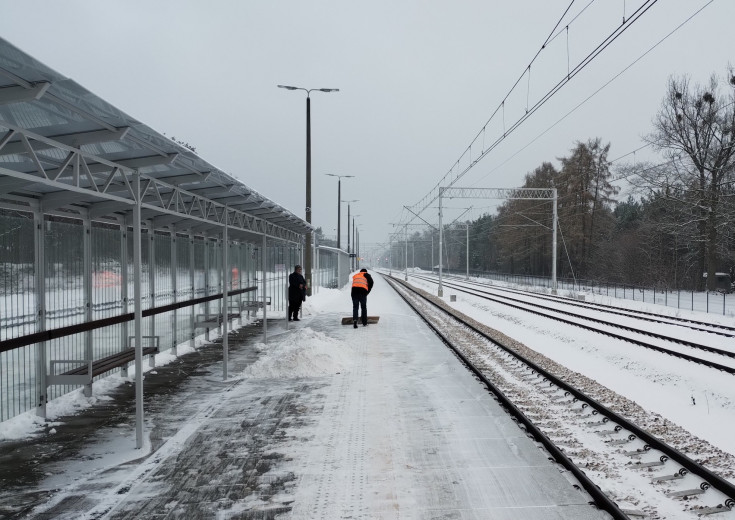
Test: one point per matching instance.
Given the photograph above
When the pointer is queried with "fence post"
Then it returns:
(152, 276)
(124, 294)
(225, 298)
(174, 273)
(87, 262)
(40, 293)
(206, 280)
(192, 282)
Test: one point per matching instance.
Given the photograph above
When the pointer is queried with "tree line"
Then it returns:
(675, 229)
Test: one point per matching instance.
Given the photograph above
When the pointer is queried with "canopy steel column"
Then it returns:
(88, 345)
(151, 277)
(39, 259)
(264, 256)
(124, 278)
(225, 300)
(174, 273)
(317, 268)
(192, 283)
(206, 281)
(137, 291)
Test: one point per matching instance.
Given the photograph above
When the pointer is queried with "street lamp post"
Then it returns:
(339, 203)
(348, 225)
(354, 241)
(308, 250)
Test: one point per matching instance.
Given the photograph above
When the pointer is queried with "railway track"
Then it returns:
(614, 448)
(698, 351)
(652, 317)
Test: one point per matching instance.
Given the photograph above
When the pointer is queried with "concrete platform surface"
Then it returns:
(321, 422)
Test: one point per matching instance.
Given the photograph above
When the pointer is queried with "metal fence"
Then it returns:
(332, 267)
(84, 274)
(714, 302)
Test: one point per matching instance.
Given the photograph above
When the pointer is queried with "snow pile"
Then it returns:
(22, 426)
(305, 353)
(29, 424)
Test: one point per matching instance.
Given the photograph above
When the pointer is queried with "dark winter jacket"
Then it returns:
(296, 287)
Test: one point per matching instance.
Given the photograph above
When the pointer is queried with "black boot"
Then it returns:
(354, 324)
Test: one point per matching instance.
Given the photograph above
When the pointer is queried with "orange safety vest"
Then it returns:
(360, 281)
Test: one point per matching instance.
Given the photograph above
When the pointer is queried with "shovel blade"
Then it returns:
(371, 320)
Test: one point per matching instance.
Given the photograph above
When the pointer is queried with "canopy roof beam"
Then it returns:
(9, 95)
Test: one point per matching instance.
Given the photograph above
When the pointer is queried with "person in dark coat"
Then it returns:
(296, 293)
(362, 284)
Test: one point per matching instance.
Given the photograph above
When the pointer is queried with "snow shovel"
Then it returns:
(371, 320)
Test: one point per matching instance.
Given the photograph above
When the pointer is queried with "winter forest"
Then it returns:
(672, 229)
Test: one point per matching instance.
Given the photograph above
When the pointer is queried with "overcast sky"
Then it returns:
(418, 80)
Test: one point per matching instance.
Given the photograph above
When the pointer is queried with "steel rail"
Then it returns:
(632, 313)
(687, 357)
(601, 500)
(692, 344)
(675, 455)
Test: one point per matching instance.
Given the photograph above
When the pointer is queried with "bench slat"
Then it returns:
(80, 375)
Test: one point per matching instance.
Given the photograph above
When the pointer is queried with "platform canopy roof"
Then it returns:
(67, 152)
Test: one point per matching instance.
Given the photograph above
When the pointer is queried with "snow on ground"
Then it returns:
(699, 399)
(695, 397)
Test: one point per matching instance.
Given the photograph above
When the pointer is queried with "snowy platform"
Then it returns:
(322, 422)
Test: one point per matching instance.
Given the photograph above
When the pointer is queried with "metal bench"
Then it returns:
(253, 305)
(212, 321)
(89, 369)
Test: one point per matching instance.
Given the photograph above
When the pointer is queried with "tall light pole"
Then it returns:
(354, 240)
(348, 225)
(307, 249)
(357, 248)
(339, 203)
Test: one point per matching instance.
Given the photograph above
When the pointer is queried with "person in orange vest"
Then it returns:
(362, 284)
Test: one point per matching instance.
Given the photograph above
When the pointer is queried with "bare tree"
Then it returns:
(694, 130)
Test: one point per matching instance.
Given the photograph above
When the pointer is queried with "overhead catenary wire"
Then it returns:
(433, 194)
(596, 92)
(638, 59)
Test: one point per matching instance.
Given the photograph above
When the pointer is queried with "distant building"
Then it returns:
(723, 282)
